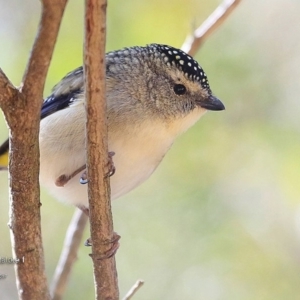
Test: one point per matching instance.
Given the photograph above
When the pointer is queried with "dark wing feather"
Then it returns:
(55, 103)
(4, 147)
(64, 93)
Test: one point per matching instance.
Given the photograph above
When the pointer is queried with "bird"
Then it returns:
(154, 93)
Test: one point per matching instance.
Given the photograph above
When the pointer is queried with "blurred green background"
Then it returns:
(220, 218)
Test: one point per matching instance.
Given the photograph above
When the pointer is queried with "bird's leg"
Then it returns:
(64, 179)
(110, 165)
(114, 241)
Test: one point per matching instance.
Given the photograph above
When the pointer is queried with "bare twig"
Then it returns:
(102, 235)
(69, 254)
(134, 289)
(22, 112)
(193, 43)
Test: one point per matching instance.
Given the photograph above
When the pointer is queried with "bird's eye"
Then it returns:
(179, 89)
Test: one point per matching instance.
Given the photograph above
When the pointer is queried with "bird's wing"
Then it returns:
(55, 103)
(64, 94)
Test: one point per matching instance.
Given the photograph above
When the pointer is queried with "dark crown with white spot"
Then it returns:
(183, 62)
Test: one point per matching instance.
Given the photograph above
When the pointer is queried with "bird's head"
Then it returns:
(161, 80)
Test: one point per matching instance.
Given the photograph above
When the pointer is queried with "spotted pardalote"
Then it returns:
(154, 93)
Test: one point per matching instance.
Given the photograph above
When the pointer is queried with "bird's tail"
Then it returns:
(4, 155)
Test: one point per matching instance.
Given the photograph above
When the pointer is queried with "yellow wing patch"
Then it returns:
(4, 160)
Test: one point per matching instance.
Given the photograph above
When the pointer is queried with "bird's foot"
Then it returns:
(110, 252)
(114, 241)
(64, 179)
(110, 165)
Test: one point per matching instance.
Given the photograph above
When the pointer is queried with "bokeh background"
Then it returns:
(220, 218)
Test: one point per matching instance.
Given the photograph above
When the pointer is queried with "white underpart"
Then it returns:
(138, 153)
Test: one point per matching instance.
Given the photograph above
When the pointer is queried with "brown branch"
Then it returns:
(22, 112)
(7, 91)
(105, 273)
(193, 43)
(41, 54)
(134, 289)
(69, 254)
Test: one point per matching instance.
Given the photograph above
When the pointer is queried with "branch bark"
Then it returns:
(102, 235)
(22, 113)
(192, 43)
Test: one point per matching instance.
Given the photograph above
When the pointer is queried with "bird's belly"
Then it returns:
(130, 172)
(134, 161)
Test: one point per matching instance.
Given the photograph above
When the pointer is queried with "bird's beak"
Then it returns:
(211, 103)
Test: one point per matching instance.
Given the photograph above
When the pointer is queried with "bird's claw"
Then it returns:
(110, 252)
(83, 179)
(110, 165)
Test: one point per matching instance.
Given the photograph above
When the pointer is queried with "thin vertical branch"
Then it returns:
(219, 15)
(22, 112)
(69, 254)
(105, 273)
